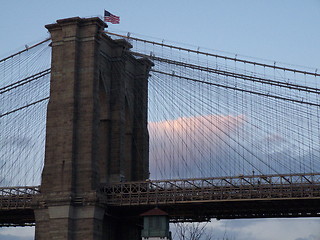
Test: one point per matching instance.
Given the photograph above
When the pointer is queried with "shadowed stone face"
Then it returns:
(96, 131)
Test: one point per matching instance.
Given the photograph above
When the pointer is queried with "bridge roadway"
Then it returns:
(260, 196)
(16, 208)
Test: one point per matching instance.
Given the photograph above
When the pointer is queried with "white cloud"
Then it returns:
(268, 229)
(17, 233)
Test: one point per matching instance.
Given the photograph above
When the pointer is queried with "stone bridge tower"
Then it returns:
(96, 132)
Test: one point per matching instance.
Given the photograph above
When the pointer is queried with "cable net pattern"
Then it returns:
(24, 92)
(209, 115)
(214, 115)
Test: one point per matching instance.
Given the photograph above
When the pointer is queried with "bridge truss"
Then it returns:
(264, 196)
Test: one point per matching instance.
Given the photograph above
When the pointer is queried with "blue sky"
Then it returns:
(282, 31)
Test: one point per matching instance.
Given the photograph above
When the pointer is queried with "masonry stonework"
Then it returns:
(96, 131)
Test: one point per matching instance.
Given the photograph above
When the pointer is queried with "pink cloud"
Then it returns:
(183, 146)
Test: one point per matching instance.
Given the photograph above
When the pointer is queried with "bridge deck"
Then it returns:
(213, 189)
(293, 195)
(16, 205)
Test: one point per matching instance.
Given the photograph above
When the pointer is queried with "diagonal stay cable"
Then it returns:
(238, 89)
(233, 74)
(18, 109)
(216, 55)
(33, 46)
(25, 81)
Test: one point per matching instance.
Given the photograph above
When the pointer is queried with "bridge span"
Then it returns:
(198, 199)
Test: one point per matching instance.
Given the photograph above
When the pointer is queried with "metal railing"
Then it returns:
(154, 192)
(262, 187)
(17, 197)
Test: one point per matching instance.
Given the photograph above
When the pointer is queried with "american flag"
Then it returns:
(108, 17)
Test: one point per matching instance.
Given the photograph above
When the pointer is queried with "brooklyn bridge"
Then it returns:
(97, 128)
